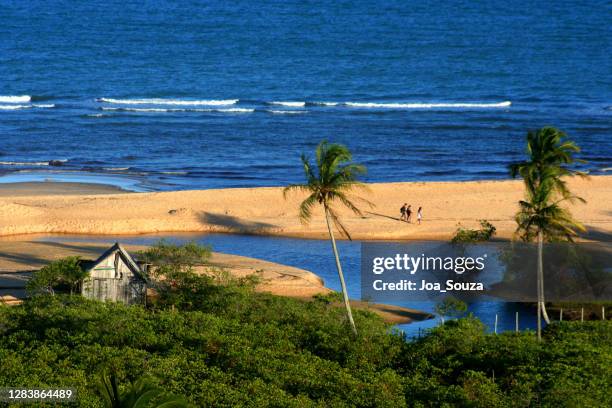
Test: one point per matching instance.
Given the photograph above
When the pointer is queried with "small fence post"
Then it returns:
(561, 314)
(495, 323)
(581, 314)
(516, 323)
(603, 313)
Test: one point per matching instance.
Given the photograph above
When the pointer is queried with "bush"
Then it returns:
(485, 233)
(179, 258)
(451, 307)
(65, 273)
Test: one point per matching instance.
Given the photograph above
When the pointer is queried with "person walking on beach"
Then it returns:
(419, 215)
(408, 213)
(403, 212)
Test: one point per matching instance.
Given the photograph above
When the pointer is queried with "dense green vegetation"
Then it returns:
(235, 347)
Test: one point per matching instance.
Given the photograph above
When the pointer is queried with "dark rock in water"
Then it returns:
(56, 163)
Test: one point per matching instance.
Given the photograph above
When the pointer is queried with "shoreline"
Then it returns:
(26, 188)
(91, 209)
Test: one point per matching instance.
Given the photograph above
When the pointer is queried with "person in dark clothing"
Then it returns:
(408, 213)
(403, 212)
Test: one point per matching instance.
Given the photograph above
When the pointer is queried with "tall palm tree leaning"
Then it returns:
(540, 215)
(329, 183)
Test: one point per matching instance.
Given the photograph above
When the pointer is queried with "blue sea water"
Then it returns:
(177, 95)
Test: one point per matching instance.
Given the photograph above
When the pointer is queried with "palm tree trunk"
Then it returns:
(541, 277)
(349, 313)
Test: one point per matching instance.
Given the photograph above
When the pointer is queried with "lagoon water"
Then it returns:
(225, 94)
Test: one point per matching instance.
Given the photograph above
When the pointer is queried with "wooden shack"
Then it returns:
(115, 276)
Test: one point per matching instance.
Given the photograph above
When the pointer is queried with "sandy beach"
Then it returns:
(46, 208)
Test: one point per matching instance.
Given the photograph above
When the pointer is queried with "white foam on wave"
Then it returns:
(289, 103)
(161, 101)
(286, 112)
(163, 110)
(235, 110)
(458, 105)
(15, 98)
(10, 163)
(326, 103)
(104, 108)
(16, 107)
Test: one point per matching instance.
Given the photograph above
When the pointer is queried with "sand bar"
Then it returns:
(58, 208)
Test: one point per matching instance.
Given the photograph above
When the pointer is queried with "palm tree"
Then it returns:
(139, 395)
(330, 182)
(540, 215)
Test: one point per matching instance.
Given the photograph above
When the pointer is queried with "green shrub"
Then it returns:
(178, 258)
(451, 307)
(65, 273)
(485, 233)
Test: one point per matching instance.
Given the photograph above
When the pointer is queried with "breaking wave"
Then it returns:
(161, 101)
(289, 104)
(15, 98)
(41, 163)
(322, 103)
(286, 112)
(16, 107)
(457, 105)
(228, 110)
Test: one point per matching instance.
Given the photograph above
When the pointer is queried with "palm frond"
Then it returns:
(295, 187)
(544, 176)
(333, 179)
(337, 195)
(306, 208)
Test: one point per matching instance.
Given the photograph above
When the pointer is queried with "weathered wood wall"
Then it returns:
(112, 279)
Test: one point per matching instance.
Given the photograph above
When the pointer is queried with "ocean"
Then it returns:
(161, 95)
